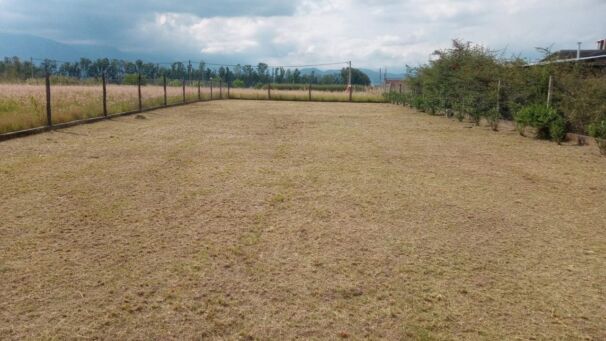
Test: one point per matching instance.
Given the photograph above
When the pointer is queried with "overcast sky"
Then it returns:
(371, 33)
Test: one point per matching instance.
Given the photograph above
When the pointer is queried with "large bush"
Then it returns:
(598, 130)
(546, 121)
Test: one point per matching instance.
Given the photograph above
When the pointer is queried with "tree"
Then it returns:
(357, 77)
(262, 72)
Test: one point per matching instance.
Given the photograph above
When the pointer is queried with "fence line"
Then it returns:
(186, 98)
(549, 107)
(62, 103)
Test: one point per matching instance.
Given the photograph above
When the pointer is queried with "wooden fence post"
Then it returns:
(310, 85)
(183, 83)
(49, 119)
(139, 91)
(211, 89)
(199, 94)
(165, 99)
(104, 80)
(227, 82)
(220, 88)
(549, 90)
(269, 90)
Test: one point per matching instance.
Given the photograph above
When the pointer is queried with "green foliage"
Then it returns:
(357, 77)
(133, 79)
(470, 81)
(598, 130)
(494, 116)
(547, 122)
(584, 99)
(238, 83)
(318, 87)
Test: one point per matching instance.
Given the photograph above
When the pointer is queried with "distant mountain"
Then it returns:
(374, 75)
(28, 46)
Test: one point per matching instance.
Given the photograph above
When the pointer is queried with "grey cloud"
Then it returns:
(110, 21)
(309, 30)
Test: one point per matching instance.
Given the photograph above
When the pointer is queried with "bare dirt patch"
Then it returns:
(243, 219)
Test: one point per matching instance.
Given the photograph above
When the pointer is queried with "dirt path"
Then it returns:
(242, 219)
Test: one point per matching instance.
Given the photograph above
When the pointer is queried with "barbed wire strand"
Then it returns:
(202, 61)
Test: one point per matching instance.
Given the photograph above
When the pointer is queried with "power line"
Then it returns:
(205, 63)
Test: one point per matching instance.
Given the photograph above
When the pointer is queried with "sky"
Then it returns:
(370, 33)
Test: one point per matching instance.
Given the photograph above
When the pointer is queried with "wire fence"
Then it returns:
(42, 94)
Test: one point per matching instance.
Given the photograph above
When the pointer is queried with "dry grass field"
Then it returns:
(23, 106)
(283, 220)
(374, 95)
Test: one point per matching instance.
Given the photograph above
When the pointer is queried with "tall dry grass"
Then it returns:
(371, 95)
(23, 106)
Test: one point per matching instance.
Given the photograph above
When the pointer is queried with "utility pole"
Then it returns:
(385, 80)
(349, 83)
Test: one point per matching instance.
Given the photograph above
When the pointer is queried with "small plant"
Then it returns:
(557, 129)
(431, 106)
(238, 83)
(418, 103)
(476, 116)
(598, 131)
(494, 116)
(133, 79)
(547, 122)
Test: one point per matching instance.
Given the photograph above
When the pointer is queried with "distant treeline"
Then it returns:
(118, 71)
(305, 86)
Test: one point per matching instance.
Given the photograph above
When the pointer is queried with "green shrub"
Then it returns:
(315, 87)
(238, 83)
(431, 106)
(493, 118)
(598, 131)
(524, 118)
(547, 122)
(557, 129)
(418, 103)
(133, 79)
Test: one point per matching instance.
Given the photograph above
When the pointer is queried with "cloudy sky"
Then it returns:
(371, 33)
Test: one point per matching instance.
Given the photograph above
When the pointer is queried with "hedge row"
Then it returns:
(471, 81)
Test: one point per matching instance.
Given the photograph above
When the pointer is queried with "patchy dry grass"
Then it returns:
(280, 220)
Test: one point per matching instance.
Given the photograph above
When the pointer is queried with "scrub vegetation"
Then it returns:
(470, 81)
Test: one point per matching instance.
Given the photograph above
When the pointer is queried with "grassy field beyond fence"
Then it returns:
(23, 106)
